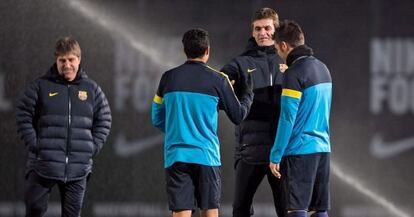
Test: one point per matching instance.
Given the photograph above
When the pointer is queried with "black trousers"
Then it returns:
(247, 179)
(37, 190)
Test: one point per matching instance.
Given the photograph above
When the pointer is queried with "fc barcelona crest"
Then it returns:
(83, 95)
(283, 67)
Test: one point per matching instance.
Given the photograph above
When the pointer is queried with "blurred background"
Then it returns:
(126, 45)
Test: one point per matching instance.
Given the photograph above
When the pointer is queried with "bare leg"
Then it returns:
(209, 213)
(183, 213)
(318, 213)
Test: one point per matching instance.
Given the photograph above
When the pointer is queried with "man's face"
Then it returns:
(262, 32)
(68, 65)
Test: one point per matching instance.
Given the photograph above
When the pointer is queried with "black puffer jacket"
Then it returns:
(63, 124)
(255, 135)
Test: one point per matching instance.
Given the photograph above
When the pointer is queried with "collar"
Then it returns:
(53, 74)
(195, 62)
(253, 49)
(297, 53)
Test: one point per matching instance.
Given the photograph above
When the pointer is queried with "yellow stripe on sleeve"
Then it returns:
(158, 99)
(292, 93)
(223, 74)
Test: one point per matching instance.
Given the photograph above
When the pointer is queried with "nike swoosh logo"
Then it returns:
(126, 148)
(251, 70)
(381, 149)
(53, 94)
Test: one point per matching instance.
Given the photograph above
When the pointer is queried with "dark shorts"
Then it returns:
(305, 181)
(193, 185)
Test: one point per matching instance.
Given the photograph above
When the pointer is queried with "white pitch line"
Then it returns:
(116, 27)
(354, 183)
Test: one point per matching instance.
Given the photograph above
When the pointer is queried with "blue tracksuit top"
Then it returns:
(305, 108)
(186, 109)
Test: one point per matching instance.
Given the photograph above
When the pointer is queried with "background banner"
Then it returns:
(127, 45)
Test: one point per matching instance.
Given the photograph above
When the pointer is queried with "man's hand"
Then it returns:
(246, 84)
(275, 169)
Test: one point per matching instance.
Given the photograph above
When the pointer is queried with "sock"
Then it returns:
(298, 213)
(320, 214)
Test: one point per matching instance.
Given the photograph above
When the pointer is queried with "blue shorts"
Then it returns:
(193, 185)
(305, 181)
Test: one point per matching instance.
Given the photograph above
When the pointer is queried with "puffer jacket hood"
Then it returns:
(53, 75)
(252, 49)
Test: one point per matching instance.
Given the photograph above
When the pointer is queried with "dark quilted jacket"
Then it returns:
(63, 124)
(255, 135)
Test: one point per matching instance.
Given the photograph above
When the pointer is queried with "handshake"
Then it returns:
(245, 85)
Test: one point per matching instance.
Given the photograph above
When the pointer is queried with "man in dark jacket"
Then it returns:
(255, 135)
(64, 119)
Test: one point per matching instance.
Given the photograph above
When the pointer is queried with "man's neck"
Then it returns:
(199, 59)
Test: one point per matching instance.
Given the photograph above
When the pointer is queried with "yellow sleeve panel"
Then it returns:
(158, 99)
(292, 93)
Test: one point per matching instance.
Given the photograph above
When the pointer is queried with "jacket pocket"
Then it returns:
(255, 153)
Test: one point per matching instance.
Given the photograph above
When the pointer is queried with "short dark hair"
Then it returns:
(196, 42)
(290, 32)
(266, 13)
(67, 45)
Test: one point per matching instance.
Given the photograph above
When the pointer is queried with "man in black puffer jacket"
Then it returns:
(256, 134)
(64, 119)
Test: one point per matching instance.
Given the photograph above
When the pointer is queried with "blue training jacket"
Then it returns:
(186, 108)
(305, 107)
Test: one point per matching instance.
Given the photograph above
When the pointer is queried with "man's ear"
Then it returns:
(207, 51)
(284, 46)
